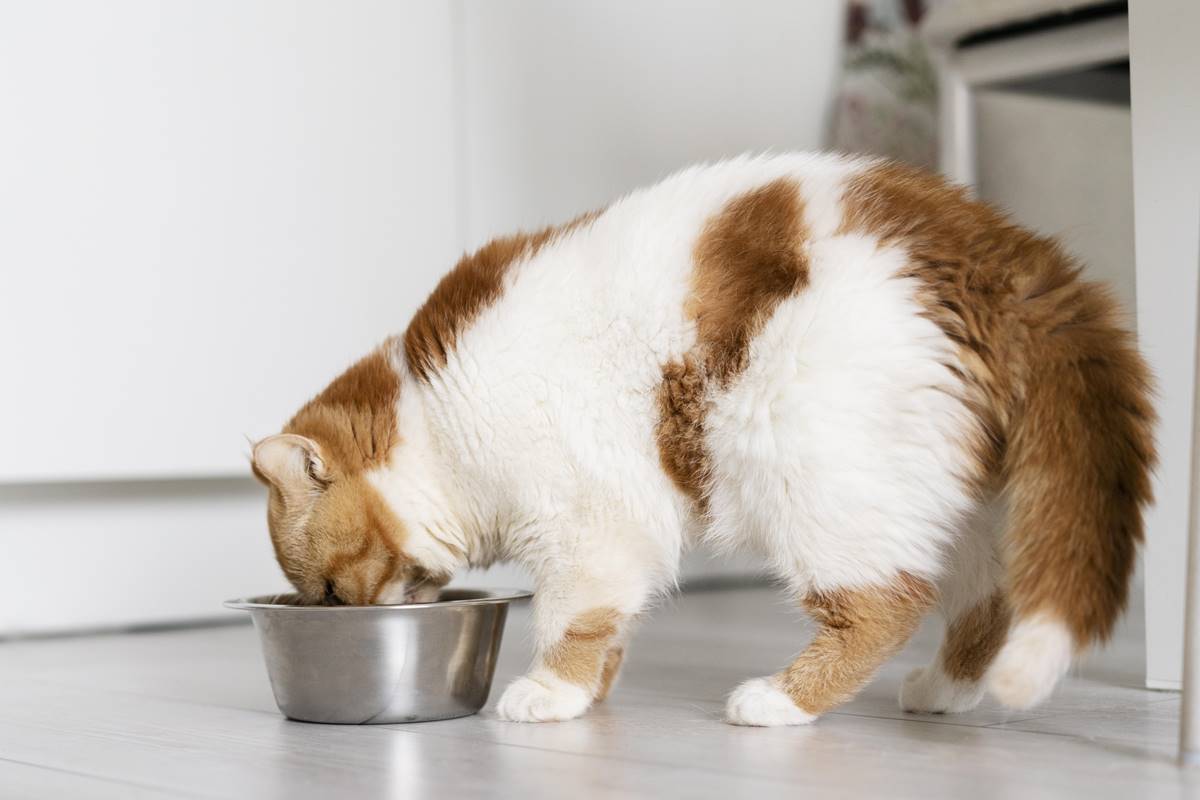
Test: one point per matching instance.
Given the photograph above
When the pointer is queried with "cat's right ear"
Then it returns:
(290, 463)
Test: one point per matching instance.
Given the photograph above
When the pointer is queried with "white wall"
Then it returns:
(209, 208)
(570, 105)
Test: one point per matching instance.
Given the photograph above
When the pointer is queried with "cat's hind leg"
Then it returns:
(610, 670)
(977, 617)
(860, 628)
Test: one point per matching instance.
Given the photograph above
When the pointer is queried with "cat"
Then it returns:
(896, 397)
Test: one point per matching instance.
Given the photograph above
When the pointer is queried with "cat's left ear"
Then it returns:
(290, 463)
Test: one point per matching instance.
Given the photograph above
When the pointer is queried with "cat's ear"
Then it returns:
(290, 463)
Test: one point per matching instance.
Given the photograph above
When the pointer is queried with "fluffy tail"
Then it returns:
(1076, 466)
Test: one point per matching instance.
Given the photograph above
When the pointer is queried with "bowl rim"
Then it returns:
(490, 596)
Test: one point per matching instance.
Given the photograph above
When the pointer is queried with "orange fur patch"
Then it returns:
(860, 629)
(608, 675)
(338, 533)
(748, 258)
(974, 638)
(581, 655)
(475, 283)
(354, 418)
(347, 538)
(1061, 393)
(356, 539)
(680, 429)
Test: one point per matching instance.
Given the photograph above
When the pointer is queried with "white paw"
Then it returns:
(930, 690)
(761, 703)
(1037, 654)
(545, 699)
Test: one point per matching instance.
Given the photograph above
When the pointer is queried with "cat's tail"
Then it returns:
(1078, 455)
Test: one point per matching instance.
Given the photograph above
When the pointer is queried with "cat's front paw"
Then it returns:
(544, 699)
(930, 690)
(759, 702)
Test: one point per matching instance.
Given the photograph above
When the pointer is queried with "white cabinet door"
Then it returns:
(206, 211)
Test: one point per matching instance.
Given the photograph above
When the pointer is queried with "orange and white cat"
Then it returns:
(896, 397)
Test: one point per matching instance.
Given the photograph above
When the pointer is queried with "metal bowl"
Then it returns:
(381, 664)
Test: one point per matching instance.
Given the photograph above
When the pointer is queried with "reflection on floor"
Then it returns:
(189, 714)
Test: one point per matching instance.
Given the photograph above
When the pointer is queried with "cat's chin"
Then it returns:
(401, 595)
(424, 594)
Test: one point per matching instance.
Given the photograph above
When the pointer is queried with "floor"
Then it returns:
(189, 713)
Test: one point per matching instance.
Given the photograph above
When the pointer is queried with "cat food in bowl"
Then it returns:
(381, 664)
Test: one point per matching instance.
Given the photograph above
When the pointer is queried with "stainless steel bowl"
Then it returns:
(380, 664)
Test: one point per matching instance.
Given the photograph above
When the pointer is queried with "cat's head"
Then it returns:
(338, 532)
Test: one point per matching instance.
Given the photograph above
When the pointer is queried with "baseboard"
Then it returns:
(96, 556)
(121, 555)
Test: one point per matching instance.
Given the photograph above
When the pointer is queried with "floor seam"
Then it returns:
(52, 683)
(103, 778)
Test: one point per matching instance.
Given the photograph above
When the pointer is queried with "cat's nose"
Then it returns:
(331, 596)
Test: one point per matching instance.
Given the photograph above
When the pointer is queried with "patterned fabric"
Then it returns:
(887, 102)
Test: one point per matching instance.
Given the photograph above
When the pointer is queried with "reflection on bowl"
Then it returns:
(380, 664)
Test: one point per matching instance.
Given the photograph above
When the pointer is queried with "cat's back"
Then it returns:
(800, 322)
(640, 260)
(705, 246)
(706, 266)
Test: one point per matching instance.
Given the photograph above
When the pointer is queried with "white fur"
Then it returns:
(760, 703)
(542, 698)
(837, 454)
(420, 488)
(397, 593)
(839, 451)
(930, 690)
(1037, 654)
(971, 576)
(974, 571)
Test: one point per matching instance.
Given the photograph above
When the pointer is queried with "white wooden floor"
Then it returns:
(189, 714)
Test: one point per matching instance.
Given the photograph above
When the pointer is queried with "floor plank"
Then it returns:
(190, 714)
(20, 781)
